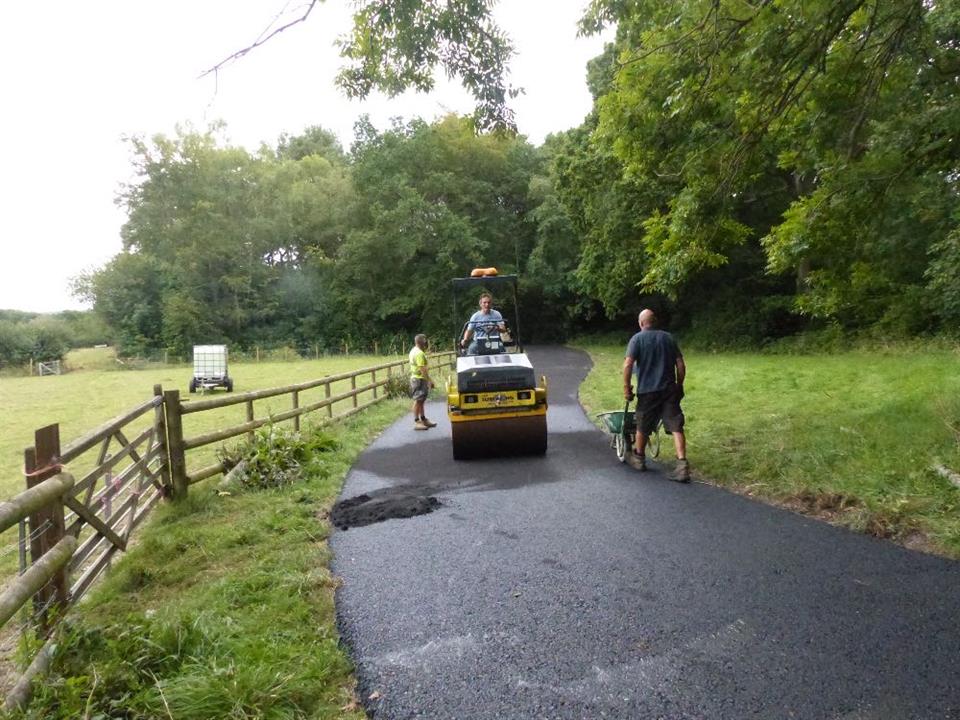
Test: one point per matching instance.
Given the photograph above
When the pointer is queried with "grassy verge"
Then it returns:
(224, 609)
(851, 437)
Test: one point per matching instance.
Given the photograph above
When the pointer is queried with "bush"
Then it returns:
(16, 343)
(397, 386)
(41, 338)
(277, 458)
(51, 338)
(736, 324)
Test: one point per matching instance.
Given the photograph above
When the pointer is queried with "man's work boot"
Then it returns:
(428, 423)
(640, 461)
(419, 425)
(682, 471)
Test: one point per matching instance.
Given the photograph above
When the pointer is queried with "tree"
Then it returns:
(820, 133)
(308, 204)
(16, 343)
(400, 44)
(84, 328)
(313, 141)
(434, 202)
(50, 338)
(127, 293)
(222, 227)
(196, 209)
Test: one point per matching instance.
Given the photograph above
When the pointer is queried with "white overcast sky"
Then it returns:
(75, 77)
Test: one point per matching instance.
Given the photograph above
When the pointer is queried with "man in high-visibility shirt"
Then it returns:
(420, 382)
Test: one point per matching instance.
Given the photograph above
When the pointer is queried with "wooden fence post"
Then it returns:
(326, 392)
(175, 451)
(47, 524)
(353, 386)
(296, 405)
(160, 433)
(373, 380)
(250, 418)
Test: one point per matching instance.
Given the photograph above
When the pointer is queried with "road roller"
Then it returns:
(495, 403)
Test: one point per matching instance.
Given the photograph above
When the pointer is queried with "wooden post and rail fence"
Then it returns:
(73, 527)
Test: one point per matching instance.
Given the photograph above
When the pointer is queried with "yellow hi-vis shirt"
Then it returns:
(418, 361)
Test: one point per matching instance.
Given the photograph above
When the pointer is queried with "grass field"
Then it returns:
(851, 437)
(100, 389)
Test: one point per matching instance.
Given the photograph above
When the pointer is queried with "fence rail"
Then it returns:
(138, 457)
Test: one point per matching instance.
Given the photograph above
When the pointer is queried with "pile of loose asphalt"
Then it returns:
(572, 586)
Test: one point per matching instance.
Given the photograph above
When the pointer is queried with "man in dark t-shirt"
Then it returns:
(655, 359)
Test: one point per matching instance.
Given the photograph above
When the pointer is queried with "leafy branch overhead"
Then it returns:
(396, 45)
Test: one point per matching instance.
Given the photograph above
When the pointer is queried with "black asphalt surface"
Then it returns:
(571, 586)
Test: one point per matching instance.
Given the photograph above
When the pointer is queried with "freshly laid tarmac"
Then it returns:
(572, 586)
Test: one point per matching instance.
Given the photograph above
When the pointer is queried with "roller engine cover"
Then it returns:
(488, 373)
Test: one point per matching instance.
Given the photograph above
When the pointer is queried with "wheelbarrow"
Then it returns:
(621, 425)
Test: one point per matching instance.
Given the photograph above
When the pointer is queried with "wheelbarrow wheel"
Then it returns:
(620, 444)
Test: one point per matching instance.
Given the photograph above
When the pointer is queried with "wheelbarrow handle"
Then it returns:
(627, 426)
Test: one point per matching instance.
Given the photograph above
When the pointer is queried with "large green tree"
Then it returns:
(435, 201)
(821, 130)
(305, 244)
(127, 293)
(214, 235)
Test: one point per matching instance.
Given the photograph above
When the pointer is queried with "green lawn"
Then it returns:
(852, 437)
(97, 391)
(83, 399)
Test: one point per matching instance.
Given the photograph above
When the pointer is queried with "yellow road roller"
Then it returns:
(495, 404)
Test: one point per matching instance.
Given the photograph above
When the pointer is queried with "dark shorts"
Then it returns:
(419, 388)
(660, 405)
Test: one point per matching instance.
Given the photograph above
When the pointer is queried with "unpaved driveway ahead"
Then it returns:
(572, 586)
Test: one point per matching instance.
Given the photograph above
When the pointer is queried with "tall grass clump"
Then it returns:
(277, 457)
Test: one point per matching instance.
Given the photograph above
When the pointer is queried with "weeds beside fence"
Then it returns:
(73, 528)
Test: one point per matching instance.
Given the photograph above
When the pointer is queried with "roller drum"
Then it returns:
(499, 437)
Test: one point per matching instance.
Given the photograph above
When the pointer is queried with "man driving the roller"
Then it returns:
(484, 323)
